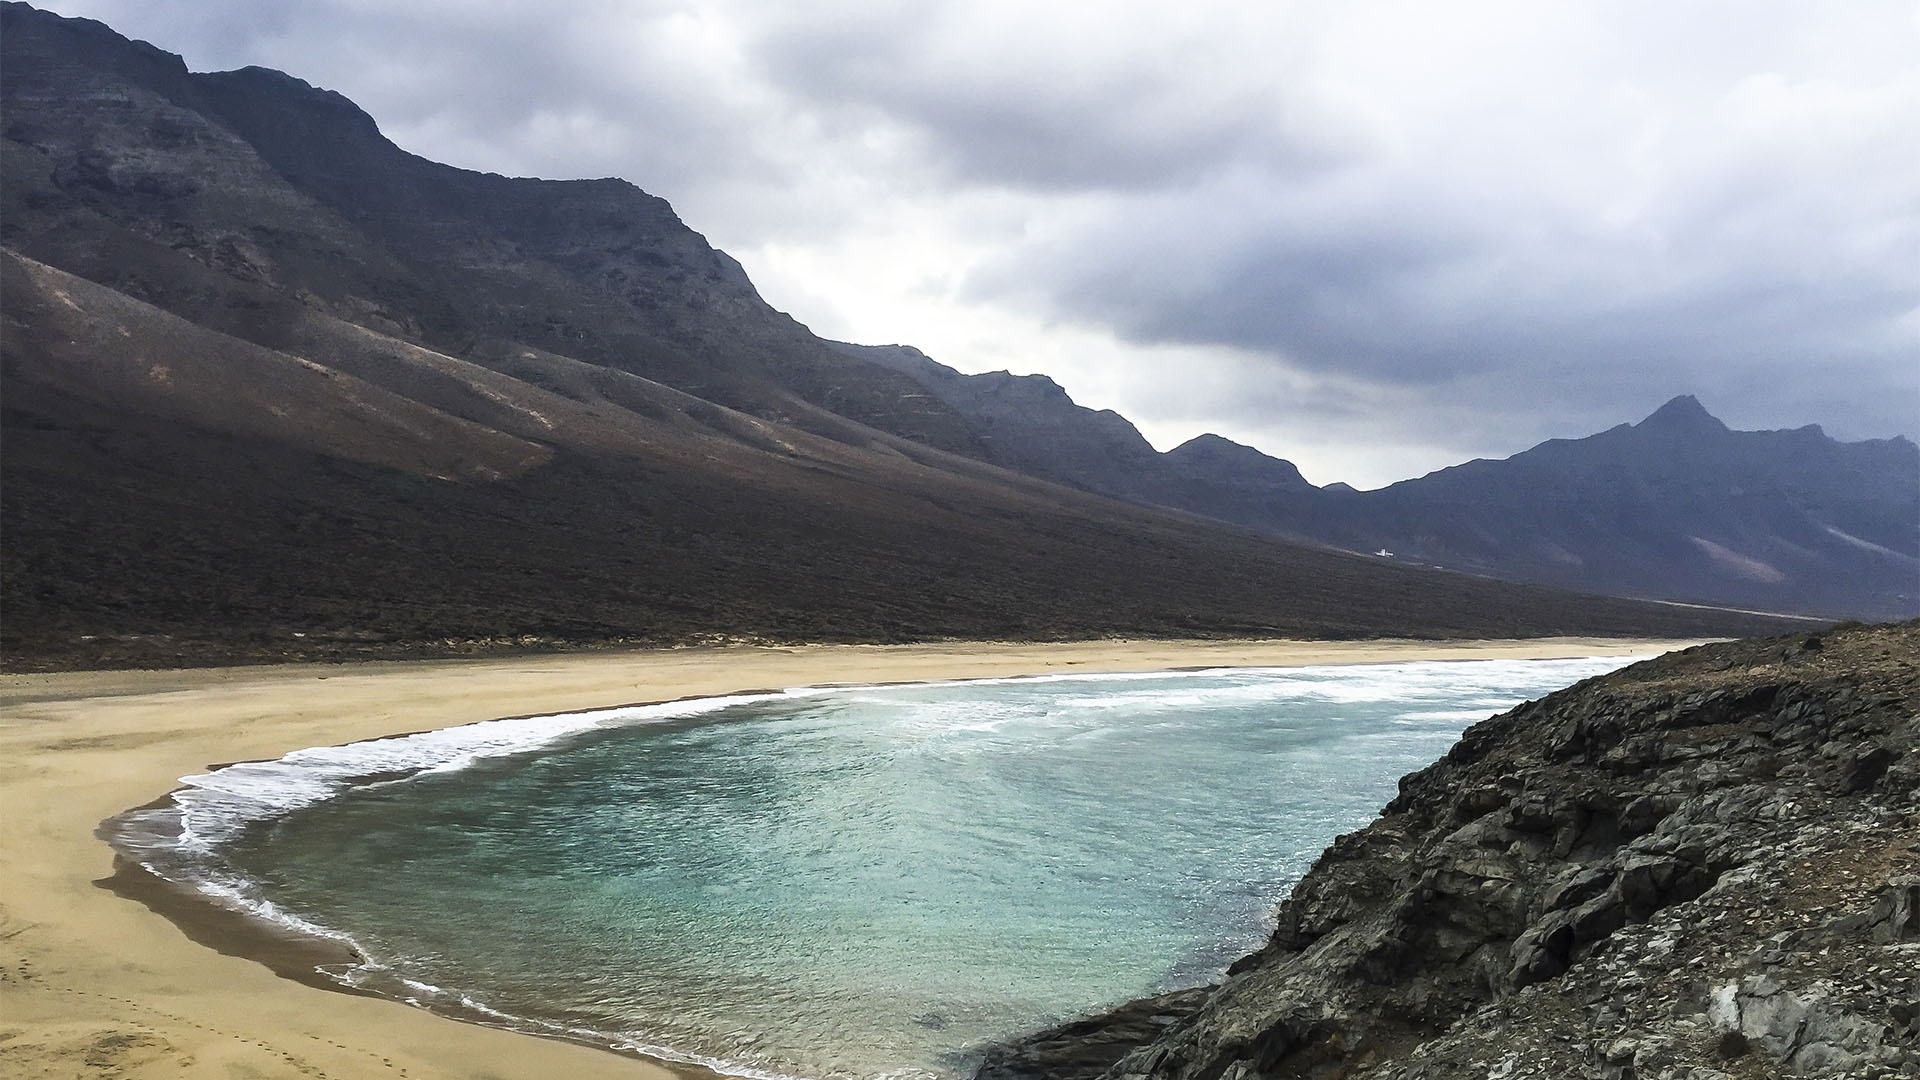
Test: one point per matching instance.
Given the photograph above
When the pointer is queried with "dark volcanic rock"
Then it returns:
(1673, 871)
(1087, 1048)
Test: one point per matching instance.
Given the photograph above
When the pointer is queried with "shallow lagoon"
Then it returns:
(864, 881)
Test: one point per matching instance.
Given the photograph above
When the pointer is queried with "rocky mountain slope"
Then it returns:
(1027, 422)
(1705, 866)
(270, 386)
(240, 199)
(1678, 506)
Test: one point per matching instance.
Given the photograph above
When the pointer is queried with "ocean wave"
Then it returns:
(211, 807)
(178, 838)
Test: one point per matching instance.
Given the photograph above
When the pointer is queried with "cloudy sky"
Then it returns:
(1375, 238)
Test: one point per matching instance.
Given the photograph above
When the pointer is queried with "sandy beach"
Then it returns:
(92, 983)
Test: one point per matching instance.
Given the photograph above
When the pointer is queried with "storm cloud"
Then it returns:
(1374, 238)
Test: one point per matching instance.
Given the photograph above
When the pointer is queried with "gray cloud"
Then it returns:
(1429, 294)
(1773, 265)
(1060, 99)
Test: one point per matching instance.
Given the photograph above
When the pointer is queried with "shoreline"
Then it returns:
(88, 980)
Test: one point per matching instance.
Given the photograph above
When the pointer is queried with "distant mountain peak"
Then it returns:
(1682, 414)
(1209, 441)
(1220, 459)
(1209, 446)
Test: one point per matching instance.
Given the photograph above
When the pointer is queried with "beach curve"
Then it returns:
(89, 980)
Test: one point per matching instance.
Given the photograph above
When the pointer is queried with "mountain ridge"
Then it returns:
(1676, 506)
(436, 410)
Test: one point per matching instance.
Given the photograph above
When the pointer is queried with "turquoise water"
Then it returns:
(859, 882)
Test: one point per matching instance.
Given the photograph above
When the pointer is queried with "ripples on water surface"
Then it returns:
(860, 882)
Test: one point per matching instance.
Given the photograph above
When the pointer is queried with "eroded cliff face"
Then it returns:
(1704, 866)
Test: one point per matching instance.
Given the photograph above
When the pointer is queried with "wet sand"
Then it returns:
(94, 983)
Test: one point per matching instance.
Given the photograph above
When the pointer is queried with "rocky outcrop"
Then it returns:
(1091, 1046)
(1704, 866)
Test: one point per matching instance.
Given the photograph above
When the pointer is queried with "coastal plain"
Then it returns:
(93, 983)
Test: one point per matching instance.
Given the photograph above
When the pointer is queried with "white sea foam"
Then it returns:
(211, 807)
(177, 840)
